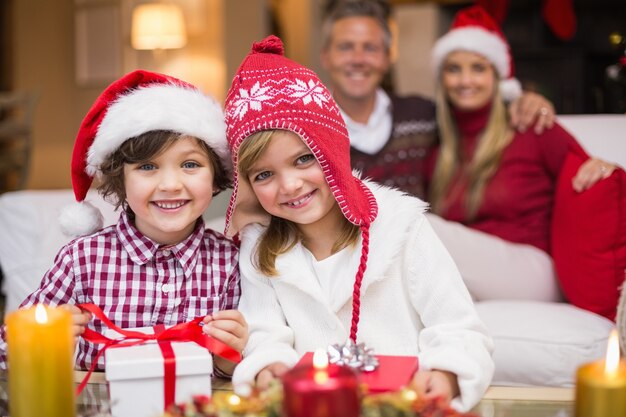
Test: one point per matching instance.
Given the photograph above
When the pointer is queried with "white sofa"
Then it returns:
(535, 343)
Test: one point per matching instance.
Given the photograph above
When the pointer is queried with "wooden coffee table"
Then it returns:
(526, 402)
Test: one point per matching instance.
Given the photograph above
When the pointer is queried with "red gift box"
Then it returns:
(393, 372)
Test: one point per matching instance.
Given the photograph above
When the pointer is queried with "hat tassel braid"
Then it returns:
(356, 293)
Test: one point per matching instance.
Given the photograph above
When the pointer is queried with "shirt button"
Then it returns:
(167, 252)
(167, 288)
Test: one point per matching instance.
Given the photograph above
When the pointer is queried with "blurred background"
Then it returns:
(56, 56)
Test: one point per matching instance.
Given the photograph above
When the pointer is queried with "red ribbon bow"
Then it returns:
(183, 332)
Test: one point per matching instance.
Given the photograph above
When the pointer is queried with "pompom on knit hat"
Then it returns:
(271, 92)
(137, 103)
(474, 30)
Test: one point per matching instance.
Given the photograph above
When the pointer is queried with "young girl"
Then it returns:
(158, 146)
(325, 256)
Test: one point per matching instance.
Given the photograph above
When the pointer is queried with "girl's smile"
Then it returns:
(301, 201)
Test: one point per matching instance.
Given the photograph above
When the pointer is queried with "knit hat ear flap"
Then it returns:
(474, 30)
(137, 103)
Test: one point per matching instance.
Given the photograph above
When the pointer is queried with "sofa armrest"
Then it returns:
(32, 237)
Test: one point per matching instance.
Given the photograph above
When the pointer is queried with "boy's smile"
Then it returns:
(170, 192)
(170, 205)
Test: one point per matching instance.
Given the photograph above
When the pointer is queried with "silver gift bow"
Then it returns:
(358, 357)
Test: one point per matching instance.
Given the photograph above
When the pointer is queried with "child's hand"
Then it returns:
(80, 319)
(436, 384)
(229, 327)
(267, 374)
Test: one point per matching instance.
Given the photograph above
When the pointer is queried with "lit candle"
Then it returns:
(601, 386)
(321, 390)
(40, 359)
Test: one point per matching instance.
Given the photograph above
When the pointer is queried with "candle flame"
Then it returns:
(41, 316)
(320, 377)
(320, 359)
(611, 363)
(409, 395)
(234, 399)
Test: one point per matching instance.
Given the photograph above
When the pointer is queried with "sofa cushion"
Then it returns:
(589, 239)
(542, 343)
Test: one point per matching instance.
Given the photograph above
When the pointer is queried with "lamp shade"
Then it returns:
(158, 26)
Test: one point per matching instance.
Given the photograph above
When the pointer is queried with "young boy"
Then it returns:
(158, 147)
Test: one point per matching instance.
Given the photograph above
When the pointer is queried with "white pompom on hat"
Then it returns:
(137, 103)
(474, 30)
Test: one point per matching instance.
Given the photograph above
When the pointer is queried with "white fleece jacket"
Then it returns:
(413, 302)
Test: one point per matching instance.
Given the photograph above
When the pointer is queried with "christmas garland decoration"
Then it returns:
(403, 403)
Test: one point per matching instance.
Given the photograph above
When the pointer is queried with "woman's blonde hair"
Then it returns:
(496, 136)
(281, 235)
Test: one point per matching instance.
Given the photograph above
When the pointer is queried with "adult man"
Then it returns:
(391, 136)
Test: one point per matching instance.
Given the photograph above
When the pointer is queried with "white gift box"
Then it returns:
(135, 375)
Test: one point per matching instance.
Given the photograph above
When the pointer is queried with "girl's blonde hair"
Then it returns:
(281, 235)
(496, 136)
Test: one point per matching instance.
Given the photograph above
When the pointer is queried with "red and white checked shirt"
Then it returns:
(139, 283)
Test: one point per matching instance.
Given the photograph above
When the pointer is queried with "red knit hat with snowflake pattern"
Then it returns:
(139, 102)
(474, 30)
(271, 92)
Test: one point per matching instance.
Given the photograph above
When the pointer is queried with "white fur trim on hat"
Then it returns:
(80, 219)
(159, 107)
(473, 39)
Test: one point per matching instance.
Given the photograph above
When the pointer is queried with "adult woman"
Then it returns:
(497, 181)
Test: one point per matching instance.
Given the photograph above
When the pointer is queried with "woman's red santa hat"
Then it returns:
(137, 103)
(474, 30)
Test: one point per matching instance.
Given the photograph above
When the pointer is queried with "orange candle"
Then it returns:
(40, 359)
(601, 386)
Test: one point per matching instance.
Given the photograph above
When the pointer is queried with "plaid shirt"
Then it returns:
(139, 283)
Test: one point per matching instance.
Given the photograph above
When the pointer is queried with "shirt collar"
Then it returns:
(373, 135)
(142, 249)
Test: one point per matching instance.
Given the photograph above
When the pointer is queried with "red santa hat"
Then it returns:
(474, 30)
(271, 92)
(137, 103)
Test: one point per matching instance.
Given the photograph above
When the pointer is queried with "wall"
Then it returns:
(418, 26)
(201, 61)
(299, 22)
(220, 34)
(43, 63)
